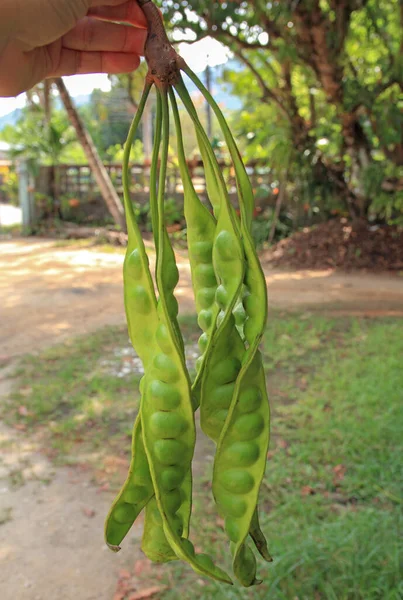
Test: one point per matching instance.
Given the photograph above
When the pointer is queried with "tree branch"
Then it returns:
(239, 42)
(267, 93)
(313, 29)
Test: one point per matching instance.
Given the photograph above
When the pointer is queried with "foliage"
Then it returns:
(114, 153)
(73, 154)
(107, 117)
(9, 186)
(172, 211)
(325, 106)
(262, 224)
(35, 139)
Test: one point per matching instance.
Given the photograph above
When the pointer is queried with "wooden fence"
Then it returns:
(76, 181)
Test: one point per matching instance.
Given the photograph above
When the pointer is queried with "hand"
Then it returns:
(51, 38)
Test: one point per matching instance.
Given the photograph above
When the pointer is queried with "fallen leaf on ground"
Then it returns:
(103, 488)
(339, 473)
(20, 426)
(124, 574)
(338, 243)
(142, 566)
(146, 593)
(307, 490)
(89, 512)
(111, 461)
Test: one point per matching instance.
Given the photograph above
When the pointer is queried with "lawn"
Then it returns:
(331, 501)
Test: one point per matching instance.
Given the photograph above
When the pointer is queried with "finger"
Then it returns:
(93, 35)
(128, 12)
(75, 62)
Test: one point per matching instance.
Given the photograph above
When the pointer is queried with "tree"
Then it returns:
(329, 75)
(102, 178)
(39, 136)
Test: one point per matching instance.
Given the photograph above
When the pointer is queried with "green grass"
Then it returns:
(332, 495)
(72, 395)
(331, 501)
(15, 229)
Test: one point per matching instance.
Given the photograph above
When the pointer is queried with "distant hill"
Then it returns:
(81, 100)
(10, 119)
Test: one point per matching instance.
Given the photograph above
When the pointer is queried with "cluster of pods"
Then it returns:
(229, 388)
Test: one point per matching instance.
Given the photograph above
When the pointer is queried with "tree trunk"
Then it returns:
(101, 176)
(46, 102)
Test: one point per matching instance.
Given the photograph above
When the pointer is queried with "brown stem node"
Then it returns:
(161, 57)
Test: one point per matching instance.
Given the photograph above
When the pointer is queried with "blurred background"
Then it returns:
(313, 92)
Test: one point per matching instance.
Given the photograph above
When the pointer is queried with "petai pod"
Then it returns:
(142, 319)
(167, 412)
(219, 384)
(154, 543)
(223, 358)
(255, 314)
(170, 270)
(201, 229)
(140, 304)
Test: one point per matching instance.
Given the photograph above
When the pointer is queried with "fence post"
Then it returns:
(24, 194)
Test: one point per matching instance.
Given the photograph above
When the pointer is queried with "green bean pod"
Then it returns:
(215, 183)
(258, 537)
(140, 303)
(240, 462)
(201, 228)
(228, 264)
(154, 543)
(133, 496)
(167, 412)
(220, 396)
(170, 270)
(141, 313)
(252, 316)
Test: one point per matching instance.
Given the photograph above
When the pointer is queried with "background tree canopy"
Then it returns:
(320, 84)
(322, 92)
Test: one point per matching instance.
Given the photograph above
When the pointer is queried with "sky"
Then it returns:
(197, 55)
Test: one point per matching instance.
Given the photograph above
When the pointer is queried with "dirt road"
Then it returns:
(51, 519)
(49, 293)
(51, 527)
